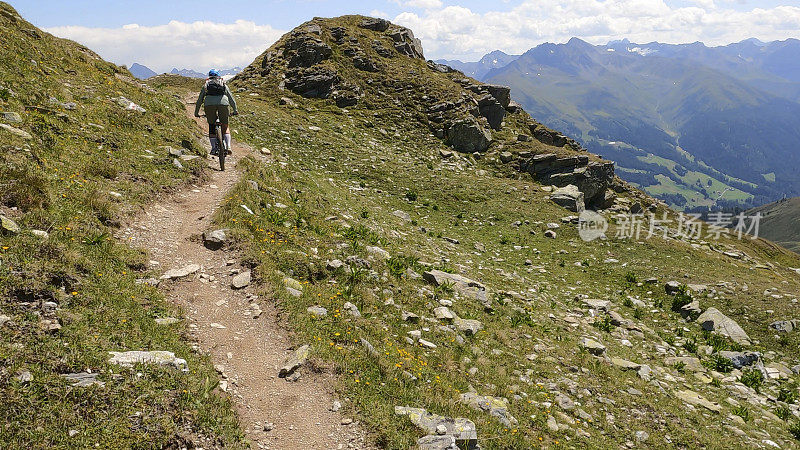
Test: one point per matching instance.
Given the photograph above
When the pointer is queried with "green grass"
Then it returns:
(350, 167)
(86, 169)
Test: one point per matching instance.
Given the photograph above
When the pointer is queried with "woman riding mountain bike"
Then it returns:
(216, 98)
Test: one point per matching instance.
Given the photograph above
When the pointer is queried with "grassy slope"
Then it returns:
(342, 185)
(781, 222)
(81, 173)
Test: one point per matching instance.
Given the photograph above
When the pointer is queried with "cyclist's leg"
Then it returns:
(211, 117)
(223, 112)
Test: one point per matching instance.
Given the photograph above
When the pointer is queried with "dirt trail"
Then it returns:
(221, 319)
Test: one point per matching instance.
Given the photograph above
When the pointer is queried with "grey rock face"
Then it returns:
(406, 44)
(375, 24)
(313, 82)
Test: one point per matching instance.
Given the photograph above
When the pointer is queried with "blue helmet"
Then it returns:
(213, 73)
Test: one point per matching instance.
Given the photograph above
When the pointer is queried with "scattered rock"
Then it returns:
(8, 226)
(297, 359)
(214, 240)
(242, 280)
(351, 309)
(40, 234)
(433, 442)
(689, 362)
(625, 364)
(470, 327)
(317, 311)
(593, 346)
(550, 234)
(444, 313)
(672, 287)
(740, 359)
(185, 271)
(335, 264)
(461, 284)
(167, 320)
(496, 406)
(83, 379)
(162, 358)
(785, 326)
(695, 399)
(463, 430)
(713, 320)
(11, 117)
(16, 131)
(377, 252)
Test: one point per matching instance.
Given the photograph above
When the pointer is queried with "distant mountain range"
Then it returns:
(694, 125)
(143, 72)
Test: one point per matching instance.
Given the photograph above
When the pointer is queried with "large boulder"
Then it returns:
(469, 136)
(569, 197)
(713, 320)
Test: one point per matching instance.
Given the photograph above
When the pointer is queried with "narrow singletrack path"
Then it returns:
(275, 413)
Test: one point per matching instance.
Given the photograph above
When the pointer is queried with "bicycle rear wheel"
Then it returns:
(222, 148)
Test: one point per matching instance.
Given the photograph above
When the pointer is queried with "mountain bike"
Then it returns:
(222, 145)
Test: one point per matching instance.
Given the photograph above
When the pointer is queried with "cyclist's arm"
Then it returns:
(200, 101)
(231, 100)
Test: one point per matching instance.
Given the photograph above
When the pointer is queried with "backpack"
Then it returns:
(215, 86)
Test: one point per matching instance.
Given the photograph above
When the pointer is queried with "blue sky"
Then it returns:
(200, 33)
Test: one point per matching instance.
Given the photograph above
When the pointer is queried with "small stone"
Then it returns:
(593, 346)
(550, 234)
(8, 226)
(336, 406)
(40, 234)
(242, 280)
(297, 359)
(162, 358)
(426, 344)
(180, 273)
(317, 311)
(214, 240)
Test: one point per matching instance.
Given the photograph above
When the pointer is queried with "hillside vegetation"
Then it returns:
(448, 281)
(781, 222)
(84, 147)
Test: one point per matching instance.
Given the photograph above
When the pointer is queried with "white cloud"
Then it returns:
(197, 45)
(458, 32)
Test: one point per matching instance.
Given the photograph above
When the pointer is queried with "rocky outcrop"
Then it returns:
(495, 406)
(469, 136)
(375, 24)
(550, 137)
(405, 43)
(313, 82)
(591, 178)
